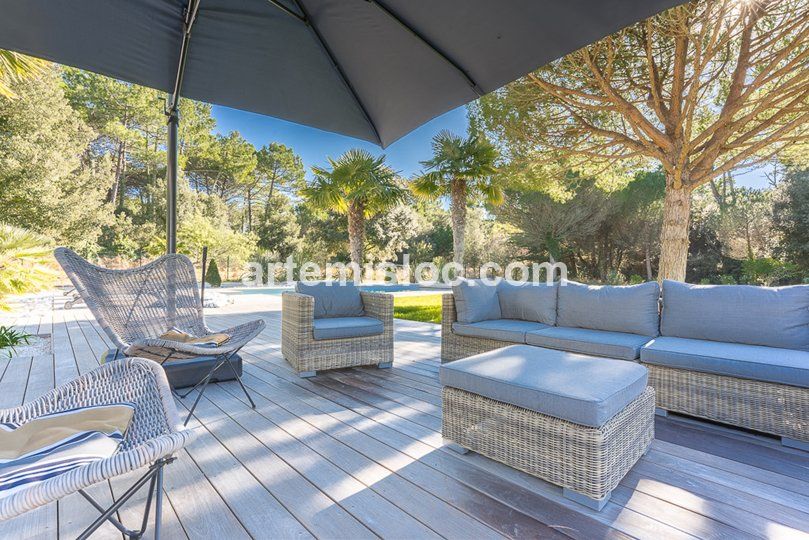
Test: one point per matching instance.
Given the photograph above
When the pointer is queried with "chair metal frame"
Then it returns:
(135, 306)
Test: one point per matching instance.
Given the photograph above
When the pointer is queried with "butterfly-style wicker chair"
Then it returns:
(152, 438)
(136, 306)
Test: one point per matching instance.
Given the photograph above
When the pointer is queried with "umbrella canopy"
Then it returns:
(371, 69)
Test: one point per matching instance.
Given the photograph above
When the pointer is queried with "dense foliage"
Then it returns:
(82, 164)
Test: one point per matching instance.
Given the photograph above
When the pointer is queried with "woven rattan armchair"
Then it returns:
(308, 355)
(152, 438)
(136, 306)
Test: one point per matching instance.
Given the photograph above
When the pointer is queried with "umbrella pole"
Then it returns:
(173, 119)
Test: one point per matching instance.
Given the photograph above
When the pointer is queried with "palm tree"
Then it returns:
(462, 169)
(358, 185)
(15, 67)
(25, 262)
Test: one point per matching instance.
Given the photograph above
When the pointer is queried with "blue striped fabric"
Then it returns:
(69, 448)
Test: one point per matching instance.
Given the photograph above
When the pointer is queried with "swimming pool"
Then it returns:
(392, 288)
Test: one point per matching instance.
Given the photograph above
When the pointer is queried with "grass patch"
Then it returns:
(425, 308)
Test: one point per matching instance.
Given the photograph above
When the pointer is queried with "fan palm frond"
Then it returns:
(15, 67)
(25, 262)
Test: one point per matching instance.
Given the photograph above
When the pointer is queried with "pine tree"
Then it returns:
(212, 276)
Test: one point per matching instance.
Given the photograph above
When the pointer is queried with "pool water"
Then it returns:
(369, 288)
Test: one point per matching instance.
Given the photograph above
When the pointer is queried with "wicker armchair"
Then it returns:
(455, 346)
(154, 435)
(308, 355)
(136, 306)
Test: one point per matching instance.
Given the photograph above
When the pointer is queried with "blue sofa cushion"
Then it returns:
(502, 329)
(528, 301)
(632, 309)
(618, 345)
(768, 316)
(346, 327)
(475, 301)
(768, 364)
(334, 300)
(581, 389)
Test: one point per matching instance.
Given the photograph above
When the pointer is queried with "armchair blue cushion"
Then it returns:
(346, 327)
(333, 299)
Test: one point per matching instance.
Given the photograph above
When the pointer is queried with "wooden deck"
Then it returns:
(358, 454)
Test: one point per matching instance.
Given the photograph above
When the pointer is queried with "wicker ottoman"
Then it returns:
(576, 421)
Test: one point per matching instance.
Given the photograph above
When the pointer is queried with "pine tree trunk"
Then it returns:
(674, 235)
(356, 233)
(458, 214)
(249, 210)
(648, 259)
(119, 171)
(269, 197)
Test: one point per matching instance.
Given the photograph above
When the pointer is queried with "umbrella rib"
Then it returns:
(189, 19)
(418, 35)
(309, 23)
(286, 10)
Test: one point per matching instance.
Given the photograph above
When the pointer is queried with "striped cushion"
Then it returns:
(53, 444)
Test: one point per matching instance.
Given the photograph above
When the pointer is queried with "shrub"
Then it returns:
(614, 277)
(726, 279)
(212, 276)
(767, 271)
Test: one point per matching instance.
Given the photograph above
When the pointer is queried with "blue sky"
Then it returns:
(314, 145)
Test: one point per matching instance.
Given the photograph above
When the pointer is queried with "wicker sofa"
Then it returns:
(733, 354)
(337, 326)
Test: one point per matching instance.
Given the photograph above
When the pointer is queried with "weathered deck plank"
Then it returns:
(358, 453)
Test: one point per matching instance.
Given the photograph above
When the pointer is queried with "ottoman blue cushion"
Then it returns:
(334, 299)
(574, 387)
(502, 329)
(583, 340)
(768, 364)
(346, 327)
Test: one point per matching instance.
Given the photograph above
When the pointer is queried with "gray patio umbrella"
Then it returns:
(371, 69)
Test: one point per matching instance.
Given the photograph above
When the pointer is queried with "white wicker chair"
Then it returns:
(154, 435)
(137, 305)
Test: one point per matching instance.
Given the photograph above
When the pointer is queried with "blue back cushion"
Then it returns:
(333, 299)
(632, 308)
(475, 301)
(769, 316)
(528, 301)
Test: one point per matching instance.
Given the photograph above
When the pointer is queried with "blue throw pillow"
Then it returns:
(476, 301)
(333, 299)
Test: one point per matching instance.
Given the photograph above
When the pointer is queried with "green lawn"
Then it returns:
(426, 308)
